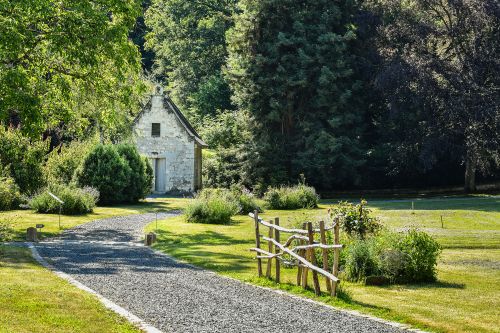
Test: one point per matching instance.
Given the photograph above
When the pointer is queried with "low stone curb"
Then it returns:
(106, 302)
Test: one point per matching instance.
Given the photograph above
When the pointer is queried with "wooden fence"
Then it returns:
(299, 247)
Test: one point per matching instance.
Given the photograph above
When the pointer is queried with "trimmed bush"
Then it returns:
(76, 200)
(140, 177)
(118, 172)
(212, 206)
(356, 219)
(291, 197)
(10, 197)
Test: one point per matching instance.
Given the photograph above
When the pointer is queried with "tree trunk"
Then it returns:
(470, 175)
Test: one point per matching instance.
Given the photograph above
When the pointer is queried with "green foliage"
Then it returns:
(67, 64)
(362, 260)
(193, 58)
(140, 177)
(421, 252)
(356, 220)
(10, 197)
(62, 163)
(106, 170)
(213, 206)
(299, 101)
(76, 200)
(118, 172)
(291, 197)
(407, 257)
(22, 159)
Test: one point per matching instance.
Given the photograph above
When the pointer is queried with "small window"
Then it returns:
(155, 129)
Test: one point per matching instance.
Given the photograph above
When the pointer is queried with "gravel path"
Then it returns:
(106, 256)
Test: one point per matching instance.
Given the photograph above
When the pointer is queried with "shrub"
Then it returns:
(118, 172)
(212, 206)
(23, 159)
(356, 220)
(76, 200)
(10, 197)
(104, 169)
(421, 252)
(361, 260)
(246, 200)
(399, 257)
(140, 177)
(291, 197)
(62, 163)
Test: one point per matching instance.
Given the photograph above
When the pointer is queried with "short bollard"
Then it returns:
(31, 234)
(150, 239)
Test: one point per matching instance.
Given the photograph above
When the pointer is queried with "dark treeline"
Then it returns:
(351, 94)
(370, 94)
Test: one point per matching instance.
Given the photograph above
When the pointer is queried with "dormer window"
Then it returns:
(155, 130)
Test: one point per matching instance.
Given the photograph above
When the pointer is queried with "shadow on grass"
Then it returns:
(466, 203)
(194, 248)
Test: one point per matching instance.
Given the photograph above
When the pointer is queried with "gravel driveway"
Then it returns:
(106, 256)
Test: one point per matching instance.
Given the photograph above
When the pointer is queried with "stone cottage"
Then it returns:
(172, 145)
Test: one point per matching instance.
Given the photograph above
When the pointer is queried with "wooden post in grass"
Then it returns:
(336, 254)
(442, 225)
(276, 249)
(312, 258)
(304, 254)
(325, 255)
(299, 269)
(31, 235)
(270, 250)
(257, 241)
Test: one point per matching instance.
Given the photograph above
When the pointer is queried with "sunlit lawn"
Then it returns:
(33, 299)
(20, 220)
(466, 298)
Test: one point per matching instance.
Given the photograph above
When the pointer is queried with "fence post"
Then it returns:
(276, 249)
(305, 270)
(325, 255)
(299, 268)
(270, 250)
(336, 255)
(312, 258)
(257, 241)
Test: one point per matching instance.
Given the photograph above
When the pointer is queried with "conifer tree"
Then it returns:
(290, 69)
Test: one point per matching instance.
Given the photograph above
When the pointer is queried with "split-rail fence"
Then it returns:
(298, 250)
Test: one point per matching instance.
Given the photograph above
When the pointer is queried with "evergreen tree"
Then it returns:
(290, 69)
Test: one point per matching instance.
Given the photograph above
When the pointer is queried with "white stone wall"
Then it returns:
(174, 144)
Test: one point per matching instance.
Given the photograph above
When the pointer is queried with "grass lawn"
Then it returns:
(20, 220)
(466, 298)
(32, 299)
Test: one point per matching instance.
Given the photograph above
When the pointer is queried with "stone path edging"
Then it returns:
(106, 302)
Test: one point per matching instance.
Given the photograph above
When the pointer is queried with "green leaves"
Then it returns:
(52, 54)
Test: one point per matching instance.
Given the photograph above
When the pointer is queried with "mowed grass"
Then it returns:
(20, 220)
(466, 297)
(33, 299)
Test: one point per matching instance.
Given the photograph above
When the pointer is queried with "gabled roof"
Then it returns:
(168, 104)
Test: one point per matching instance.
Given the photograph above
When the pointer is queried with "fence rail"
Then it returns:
(301, 255)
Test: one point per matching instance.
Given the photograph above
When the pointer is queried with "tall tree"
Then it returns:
(290, 70)
(188, 40)
(57, 56)
(442, 68)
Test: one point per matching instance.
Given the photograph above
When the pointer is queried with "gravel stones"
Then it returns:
(107, 256)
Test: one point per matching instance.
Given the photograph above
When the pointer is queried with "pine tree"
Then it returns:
(290, 69)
